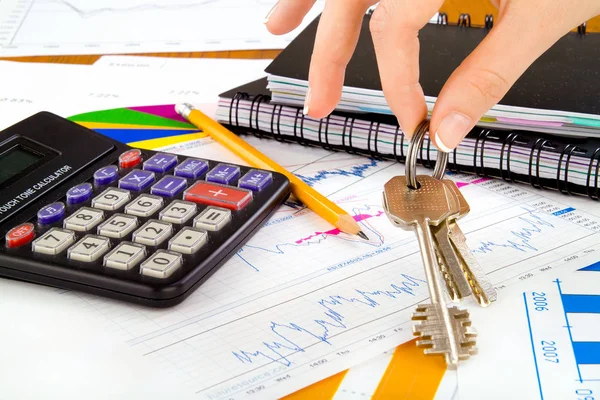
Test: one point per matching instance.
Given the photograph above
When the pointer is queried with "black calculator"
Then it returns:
(81, 211)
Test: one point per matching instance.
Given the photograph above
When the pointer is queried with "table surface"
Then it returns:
(477, 9)
(424, 373)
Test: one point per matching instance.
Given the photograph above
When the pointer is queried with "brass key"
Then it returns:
(450, 264)
(480, 285)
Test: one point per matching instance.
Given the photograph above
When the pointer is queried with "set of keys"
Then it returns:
(430, 206)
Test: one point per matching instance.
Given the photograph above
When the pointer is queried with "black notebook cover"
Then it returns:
(566, 77)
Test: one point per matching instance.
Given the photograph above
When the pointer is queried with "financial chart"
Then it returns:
(45, 27)
(302, 301)
(552, 350)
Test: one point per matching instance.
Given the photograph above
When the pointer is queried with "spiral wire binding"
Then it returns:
(257, 100)
(510, 139)
(464, 20)
(539, 145)
(399, 158)
(482, 137)
(589, 177)
(325, 144)
(442, 19)
(489, 21)
(568, 152)
(278, 136)
(238, 96)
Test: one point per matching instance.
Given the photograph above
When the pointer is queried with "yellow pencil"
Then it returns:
(312, 199)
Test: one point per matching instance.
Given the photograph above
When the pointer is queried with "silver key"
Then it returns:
(481, 286)
(442, 330)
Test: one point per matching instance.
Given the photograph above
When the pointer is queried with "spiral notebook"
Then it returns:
(568, 164)
(557, 94)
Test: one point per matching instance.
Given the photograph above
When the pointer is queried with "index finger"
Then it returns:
(335, 42)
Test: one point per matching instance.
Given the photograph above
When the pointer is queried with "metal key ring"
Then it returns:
(411, 157)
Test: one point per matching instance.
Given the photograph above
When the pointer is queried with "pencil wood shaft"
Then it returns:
(312, 199)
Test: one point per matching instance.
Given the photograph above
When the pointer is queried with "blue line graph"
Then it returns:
(520, 239)
(280, 248)
(332, 321)
(356, 171)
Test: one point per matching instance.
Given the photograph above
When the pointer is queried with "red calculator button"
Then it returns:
(218, 195)
(130, 158)
(20, 235)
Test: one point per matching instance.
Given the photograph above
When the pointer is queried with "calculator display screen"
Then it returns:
(15, 160)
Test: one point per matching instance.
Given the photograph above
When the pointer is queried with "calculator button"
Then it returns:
(153, 233)
(80, 193)
(137, 180)
(178, 212)
(161, 264)
(84, 219)
(106, 175)
(218, 195)
(20, 235)
(160, 162)
(191, 168)
(53, 242)
(51, 213)
(255, 180)
(169, 186)
(188, 241)
(223, 173)
(212, 219)
(111, 199)
(144, 206)
(130, 158)
(89, 249)
(125, 256)
(118, 226)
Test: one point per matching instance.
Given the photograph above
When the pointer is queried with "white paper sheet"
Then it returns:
(54, 349)
(60, 27)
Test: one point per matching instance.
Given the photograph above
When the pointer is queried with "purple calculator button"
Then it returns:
(223, 173)
(160, 162)
(51, 213)
(191, 168)
(80, 193)
(106, 175)
(255, 180)
(137, 180)
(169, 186)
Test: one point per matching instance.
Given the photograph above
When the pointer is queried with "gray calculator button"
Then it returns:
(188, 241)
(213, 219)
(111, 199)
(53, 242)
(161, 264)
(178, 212)
(125, 256)
(144, 206)
(118, 226)
(84, 219)
(89, 249)
(153, 233)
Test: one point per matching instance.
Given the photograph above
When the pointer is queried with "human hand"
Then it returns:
(524, 30)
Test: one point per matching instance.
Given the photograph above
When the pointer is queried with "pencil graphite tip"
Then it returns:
(362, 235)
(184, 109)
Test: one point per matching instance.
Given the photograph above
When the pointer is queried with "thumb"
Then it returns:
(483, 79)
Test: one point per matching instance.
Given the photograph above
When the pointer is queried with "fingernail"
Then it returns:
(270, 13)
(452, 130)
(306, 101)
